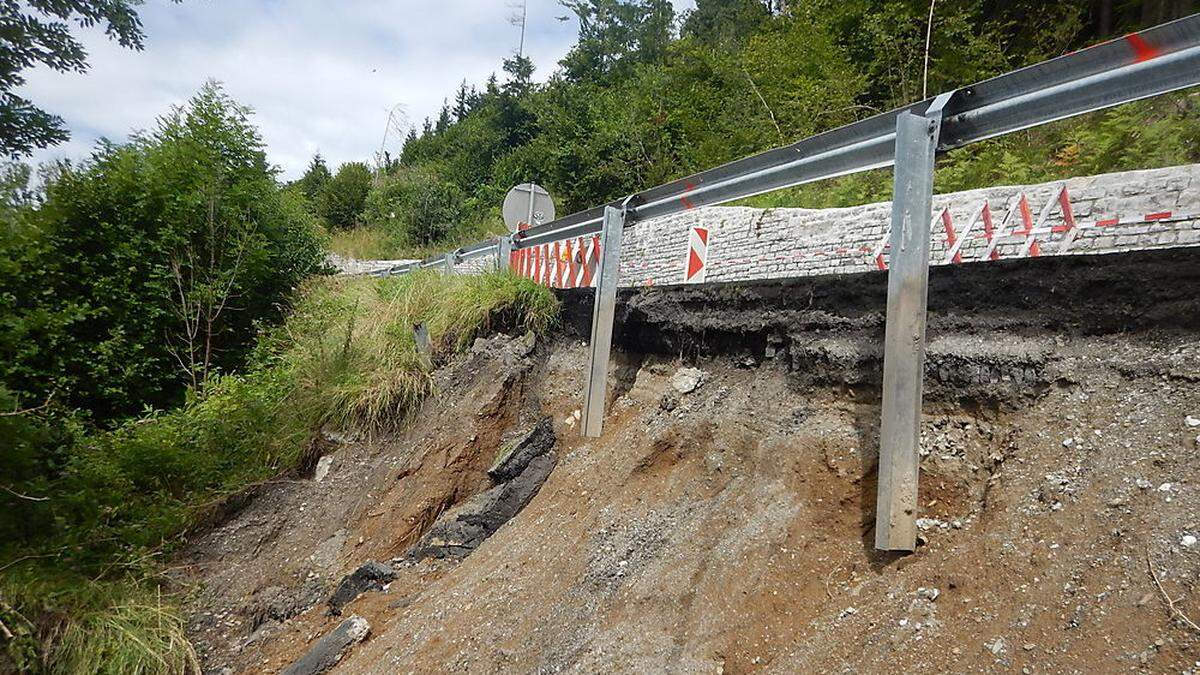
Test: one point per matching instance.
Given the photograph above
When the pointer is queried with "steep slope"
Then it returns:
(727, 527)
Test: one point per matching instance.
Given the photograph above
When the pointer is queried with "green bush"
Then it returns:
(150, 266)
(415, 206)
(341, 199)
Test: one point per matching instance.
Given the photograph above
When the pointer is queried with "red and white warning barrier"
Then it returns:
(695, 266)
(569, 263)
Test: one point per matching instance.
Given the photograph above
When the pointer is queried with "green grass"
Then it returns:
(375, 242)
(112, 626)
(84, 590)
(363, 243)
(351, 349)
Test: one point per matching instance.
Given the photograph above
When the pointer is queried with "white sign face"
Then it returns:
(527, 205)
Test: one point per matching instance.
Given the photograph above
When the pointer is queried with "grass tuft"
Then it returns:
(112, 627)
(351, 343)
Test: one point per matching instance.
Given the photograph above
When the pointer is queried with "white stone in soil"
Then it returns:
(687, 380)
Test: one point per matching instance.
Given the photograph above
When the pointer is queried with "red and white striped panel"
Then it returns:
(695, 265)
(563, 264)
(1024, 230)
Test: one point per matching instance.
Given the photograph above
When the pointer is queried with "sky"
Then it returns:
(321, 75)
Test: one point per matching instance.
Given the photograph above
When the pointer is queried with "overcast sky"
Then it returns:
(320, 74)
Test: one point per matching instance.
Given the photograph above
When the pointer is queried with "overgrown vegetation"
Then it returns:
(150, 266)
(346, 358)
(646, 96)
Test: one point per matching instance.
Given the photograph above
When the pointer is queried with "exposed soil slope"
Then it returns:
(728, 529)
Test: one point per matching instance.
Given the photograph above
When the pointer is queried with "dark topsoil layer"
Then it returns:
(1072, 295)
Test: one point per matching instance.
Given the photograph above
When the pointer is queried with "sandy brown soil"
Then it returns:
(729, 529)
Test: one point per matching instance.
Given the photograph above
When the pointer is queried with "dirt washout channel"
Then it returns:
(723, 522)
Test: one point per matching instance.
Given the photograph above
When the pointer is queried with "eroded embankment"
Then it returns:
(723, 522)
(829, 330)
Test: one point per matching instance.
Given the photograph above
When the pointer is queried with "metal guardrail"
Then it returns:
(1156, 61)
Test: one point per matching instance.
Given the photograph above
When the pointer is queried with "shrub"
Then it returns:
(342, 198)
(415, 206)
(150, 265)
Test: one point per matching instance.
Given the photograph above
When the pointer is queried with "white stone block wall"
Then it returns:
(476, 265)
(354, 267)
(746, 243)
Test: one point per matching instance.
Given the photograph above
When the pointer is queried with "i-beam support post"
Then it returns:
(602, 320)
(504, 252)
(904, 343)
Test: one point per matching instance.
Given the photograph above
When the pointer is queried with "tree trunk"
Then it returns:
(1153, 12)
(1183, 8)
(1104, 18)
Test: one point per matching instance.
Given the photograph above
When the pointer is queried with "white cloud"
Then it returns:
(321, 75)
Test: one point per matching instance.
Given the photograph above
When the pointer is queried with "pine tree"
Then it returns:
(520, 72)
(314, 178)
(462, 102)
(443, 121)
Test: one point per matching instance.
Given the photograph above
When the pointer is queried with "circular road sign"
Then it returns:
(526, 205)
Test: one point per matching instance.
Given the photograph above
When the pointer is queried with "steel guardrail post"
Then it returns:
(603, 312)
(904, 343)
(504, 248)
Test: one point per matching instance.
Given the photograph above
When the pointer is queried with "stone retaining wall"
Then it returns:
(1135, 210)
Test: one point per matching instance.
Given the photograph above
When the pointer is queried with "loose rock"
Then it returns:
(370, 577)
(687, 380)
(329, 650)
(323, 465)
